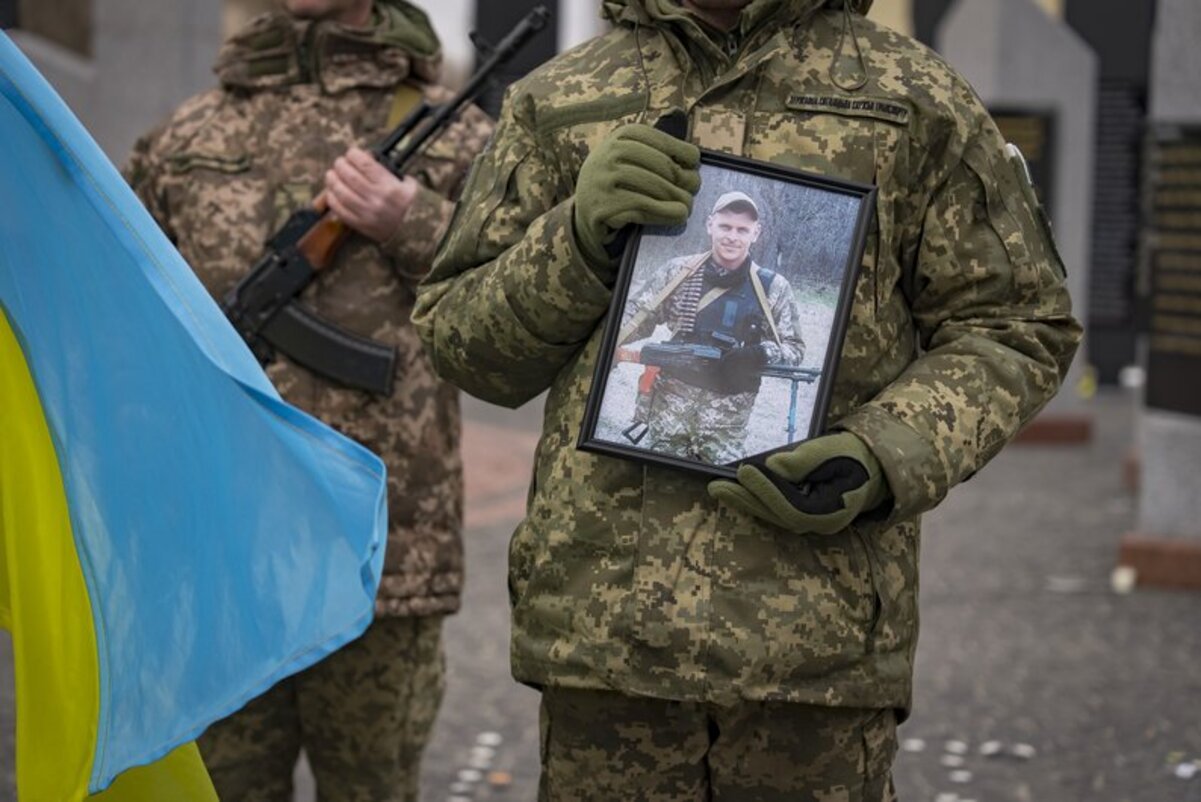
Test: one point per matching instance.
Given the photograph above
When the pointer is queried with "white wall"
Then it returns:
(579, 21)
(453, 20)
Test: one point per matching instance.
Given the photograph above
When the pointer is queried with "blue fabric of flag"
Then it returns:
(227, 539)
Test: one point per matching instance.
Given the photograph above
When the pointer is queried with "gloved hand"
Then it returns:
(818, 487)
(637, 175)
(744, 362)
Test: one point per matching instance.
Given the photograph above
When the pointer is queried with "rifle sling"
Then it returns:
(757, 283)
(331, 351)
(405, 99)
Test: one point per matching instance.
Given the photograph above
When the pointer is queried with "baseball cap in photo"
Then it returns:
(736, 201)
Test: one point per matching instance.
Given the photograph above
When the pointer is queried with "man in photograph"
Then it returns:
(729, 319)
(749, 639)
(302, 89)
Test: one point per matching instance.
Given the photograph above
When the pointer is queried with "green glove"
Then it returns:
(820, 486)
(637, 175)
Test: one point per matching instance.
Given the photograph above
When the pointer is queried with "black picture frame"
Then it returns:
(848, 212)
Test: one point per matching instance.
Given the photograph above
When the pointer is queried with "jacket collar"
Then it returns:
(714, 52)
(712, 58)
(276, 50)
(758, 13)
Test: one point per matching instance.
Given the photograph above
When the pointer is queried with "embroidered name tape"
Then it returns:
(874, 108)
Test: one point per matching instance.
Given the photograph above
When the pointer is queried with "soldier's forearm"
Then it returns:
(503, 330)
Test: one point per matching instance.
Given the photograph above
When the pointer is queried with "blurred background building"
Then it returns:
(123, 65)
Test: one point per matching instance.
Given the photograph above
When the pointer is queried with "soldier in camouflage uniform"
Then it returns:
(718, 298)
(748, 640)
(298, 88)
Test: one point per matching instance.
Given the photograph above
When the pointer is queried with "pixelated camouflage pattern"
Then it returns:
(229, 167)
(599, 747)
(694, 422)
(629, 576)
(363, 716)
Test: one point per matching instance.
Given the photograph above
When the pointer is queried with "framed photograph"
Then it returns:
(724, 333)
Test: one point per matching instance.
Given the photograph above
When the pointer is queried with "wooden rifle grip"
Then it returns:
(320, 243)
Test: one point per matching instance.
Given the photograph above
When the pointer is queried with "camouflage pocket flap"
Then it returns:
(882, 109)
(603, 109)
(180, 163)
(443, 148)
(1023, 182)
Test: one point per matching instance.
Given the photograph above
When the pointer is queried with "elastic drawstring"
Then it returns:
(848, 25)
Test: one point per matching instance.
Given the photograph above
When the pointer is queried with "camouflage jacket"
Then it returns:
(631, 577)
(230, 165)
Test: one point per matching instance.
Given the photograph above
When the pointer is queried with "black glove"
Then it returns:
(740, 367)
(820, 486)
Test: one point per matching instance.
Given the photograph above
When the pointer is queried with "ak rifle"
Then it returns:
(264, 306)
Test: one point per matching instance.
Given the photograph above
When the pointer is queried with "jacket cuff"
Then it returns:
(415, 242)
(597, 255)
(915, 474)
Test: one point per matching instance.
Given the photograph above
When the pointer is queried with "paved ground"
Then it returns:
(1024, 645)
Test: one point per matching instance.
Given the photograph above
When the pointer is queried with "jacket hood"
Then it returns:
(277, 49)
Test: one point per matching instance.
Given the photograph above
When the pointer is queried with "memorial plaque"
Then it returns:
(1173, 302)
(1033, 132)
(1120, 33)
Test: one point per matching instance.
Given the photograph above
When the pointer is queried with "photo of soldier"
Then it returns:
(721, 349)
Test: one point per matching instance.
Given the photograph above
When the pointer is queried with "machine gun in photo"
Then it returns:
(698, 358)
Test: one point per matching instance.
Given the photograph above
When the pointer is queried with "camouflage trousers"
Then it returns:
(695, 423)
(362, 716)
(600, 746)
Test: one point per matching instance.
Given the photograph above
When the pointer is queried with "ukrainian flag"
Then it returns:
(175, 538)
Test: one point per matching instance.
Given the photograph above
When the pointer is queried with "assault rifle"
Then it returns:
(263, 307)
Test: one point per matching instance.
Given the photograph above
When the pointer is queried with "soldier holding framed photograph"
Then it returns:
(705, 363)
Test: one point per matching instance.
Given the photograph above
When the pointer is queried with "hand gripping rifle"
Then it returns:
(263, 307)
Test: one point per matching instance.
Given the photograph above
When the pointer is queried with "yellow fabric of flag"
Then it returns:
(44, 604)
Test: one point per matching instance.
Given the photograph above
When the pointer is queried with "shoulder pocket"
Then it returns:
(1015, 214)
(1044, 248)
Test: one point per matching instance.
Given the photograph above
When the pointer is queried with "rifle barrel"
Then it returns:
(444, 115)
